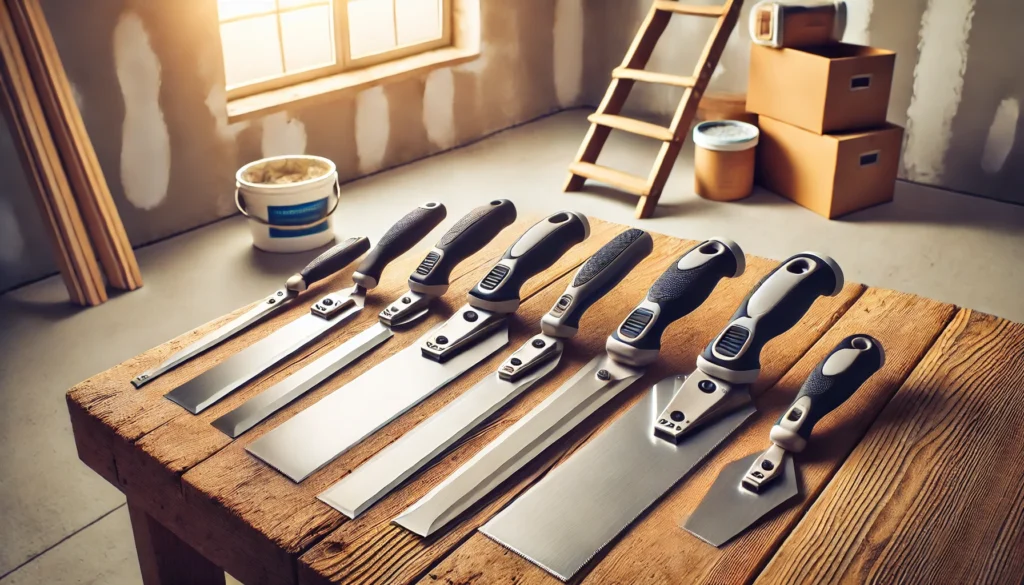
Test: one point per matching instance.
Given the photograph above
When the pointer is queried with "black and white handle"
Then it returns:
(594, 279)
(677, 292)
(397, 240)
(471, 233)
(535, 250)
(834, 380)
(777, 302)
(326, 264)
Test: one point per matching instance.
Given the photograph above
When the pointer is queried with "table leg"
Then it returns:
(167, 560)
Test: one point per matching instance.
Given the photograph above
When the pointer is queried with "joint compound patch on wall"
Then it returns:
(217, 103)
(282, 135)
(858, 21)
(373, 127)
(938, 87)
(145, 142)
(1001, 136)
(568, 49)
(439, 107)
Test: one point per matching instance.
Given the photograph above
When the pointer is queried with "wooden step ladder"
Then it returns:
(607, 117)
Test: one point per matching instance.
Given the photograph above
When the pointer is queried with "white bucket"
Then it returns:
(288, 201)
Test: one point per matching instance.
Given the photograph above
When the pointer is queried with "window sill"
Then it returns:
(317, 90)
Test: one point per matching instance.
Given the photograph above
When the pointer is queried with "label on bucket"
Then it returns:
(297, 215)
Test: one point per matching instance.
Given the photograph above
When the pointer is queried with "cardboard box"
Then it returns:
(830, 174)
(831, 88)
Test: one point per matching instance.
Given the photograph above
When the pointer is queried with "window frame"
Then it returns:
(343, 60)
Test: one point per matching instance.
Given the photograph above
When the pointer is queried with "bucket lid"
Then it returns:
(725, 135)
(285, 172)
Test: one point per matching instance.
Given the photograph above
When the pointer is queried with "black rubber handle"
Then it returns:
(777, 302)
(471, 233)
(834, 380)
(326, 264)
(598, 275)
(678, 291)
(397, 240)
(535, 250)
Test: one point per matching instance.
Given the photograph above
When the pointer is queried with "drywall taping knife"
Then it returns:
(326, 314)
(586, 502)
(751, 487)
(428, 281)
(320, 268)
(375, 478)
(634, 345)
(315, 436)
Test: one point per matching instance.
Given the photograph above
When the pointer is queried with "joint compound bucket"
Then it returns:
(723, 160)
(289, 200)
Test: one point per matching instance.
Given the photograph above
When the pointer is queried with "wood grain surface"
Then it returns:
(246, 518)
(933, 494)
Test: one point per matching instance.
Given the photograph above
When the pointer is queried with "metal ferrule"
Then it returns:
(538, 350)
(552, 322)
(331, 305)
(786, 432)
(459, 332)
(765, 468)
(700, 400)
(367, 282)
(404, 309)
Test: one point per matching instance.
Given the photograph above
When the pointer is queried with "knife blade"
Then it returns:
(633, 346)
(318, 269)
(748, 489)
(329, 312)
(317, 435)
(581, 506)
(534, 360)
(428, 281)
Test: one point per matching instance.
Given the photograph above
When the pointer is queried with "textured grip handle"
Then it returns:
(535, 250)
(834, 380)
(772, 307)
(326, 264)
(397, 240)
(471, 233)
(594, 279)
(677, 292)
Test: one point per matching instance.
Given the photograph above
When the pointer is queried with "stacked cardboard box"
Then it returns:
(825, 142)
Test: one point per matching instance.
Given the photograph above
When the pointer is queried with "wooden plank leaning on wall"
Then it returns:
(45, 172)
(89, 187)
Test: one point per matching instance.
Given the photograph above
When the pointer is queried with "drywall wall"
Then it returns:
(151, 82)
(957, 85)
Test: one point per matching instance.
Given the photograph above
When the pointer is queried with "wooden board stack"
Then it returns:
(59, 159)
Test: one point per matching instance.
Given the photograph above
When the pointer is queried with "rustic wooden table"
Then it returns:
(916, 478)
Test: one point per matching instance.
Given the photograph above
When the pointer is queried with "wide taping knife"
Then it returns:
(428, 281)
(582, 505)
(340, 420)
(321, 267)
(534, 360)
(748, 489)
(634, 345)
(329, 312)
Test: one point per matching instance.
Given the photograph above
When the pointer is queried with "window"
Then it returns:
(269, 44)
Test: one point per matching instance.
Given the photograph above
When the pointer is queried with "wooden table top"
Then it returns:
(915, 478)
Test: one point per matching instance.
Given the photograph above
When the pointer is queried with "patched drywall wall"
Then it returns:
(151, 81)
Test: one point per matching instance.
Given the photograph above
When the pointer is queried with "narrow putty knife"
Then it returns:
(748, 489)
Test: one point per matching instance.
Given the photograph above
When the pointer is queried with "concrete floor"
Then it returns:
(60, 523)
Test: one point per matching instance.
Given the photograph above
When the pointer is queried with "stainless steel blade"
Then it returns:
(207, 388)
(546, 423)
(315, 436)
(271, 304)
(375, 478)
(587, 501)
(729, 508)
(281, 394)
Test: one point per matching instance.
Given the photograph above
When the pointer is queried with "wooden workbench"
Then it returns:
(916, 478)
